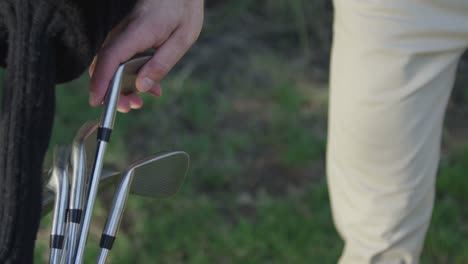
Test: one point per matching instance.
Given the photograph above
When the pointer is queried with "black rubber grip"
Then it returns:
(74, 215)
(56, 241)
(104, 134)
(107, 241)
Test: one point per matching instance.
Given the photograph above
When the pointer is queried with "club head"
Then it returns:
(159, 176)
(109, 179)
(85, 140)
(83, 149)
(131, 68)
(86, 136)
(123, 82)
(48, 197)
(59, 169)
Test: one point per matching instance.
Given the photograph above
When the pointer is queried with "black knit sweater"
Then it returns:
(42, 42)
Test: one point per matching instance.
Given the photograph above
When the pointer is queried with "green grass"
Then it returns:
(239, 203)
(195, 231)
(254, 193)
(446, 240)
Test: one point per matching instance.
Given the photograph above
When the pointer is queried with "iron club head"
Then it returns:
(122, 83)
(83, 147)
(159, 176)
(109, 179)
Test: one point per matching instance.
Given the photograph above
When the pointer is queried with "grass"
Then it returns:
(256, 191)
(446, 241)
(256, 168)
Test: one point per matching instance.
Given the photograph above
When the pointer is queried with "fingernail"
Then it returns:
(134, 106)
(146, 84)
(91, 67)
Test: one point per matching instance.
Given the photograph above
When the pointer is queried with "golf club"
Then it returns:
(159, 176)
(58, 183)
(126, 71)
(109, 179)
(83, 144)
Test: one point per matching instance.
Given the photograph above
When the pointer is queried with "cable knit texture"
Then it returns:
(42, 42)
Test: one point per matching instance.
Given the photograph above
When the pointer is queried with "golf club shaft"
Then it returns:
(72, 240)
(61, 186)
(78, 192)
(102, 257)
(115, 216)
(105, 129)
(65, 250)
(54, 256)
(92, 193)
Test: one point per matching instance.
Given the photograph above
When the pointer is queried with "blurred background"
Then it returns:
(249, 104)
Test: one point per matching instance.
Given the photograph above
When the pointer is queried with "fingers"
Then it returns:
(135, 101)
(119, 48)
(92, 66)
(156, 91)
(112, 34)
(166, 56)
(128, 102)
(154, 25)
(124, 104)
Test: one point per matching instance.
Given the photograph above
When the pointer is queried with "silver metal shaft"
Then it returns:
(102, 257)
(81, 153)
(107, 122)
(126, 70)
(65, 250)
(92, 193)
(115, 215)
(59, 183)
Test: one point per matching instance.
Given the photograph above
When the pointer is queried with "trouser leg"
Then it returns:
(391, 76)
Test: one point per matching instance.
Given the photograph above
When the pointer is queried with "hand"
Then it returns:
(169, 26)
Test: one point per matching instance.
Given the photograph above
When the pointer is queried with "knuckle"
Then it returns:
(105, 51)
(159, 33)
(187, 39)
(106, 56)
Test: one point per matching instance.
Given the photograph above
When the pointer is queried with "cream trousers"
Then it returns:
(393, 67)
